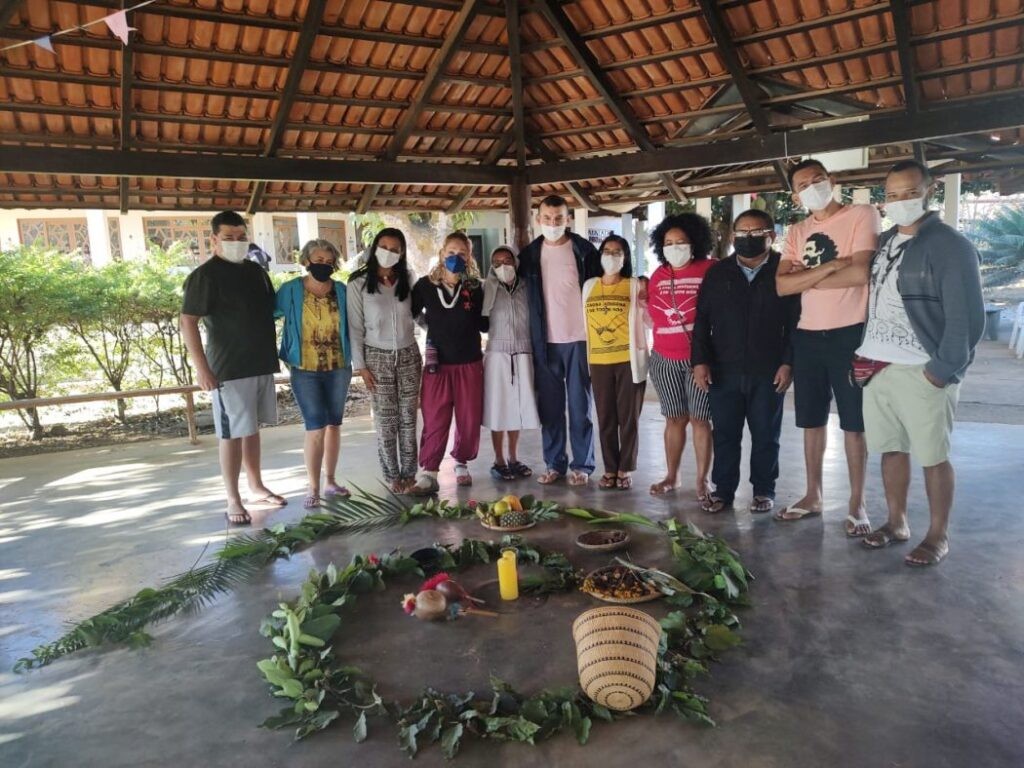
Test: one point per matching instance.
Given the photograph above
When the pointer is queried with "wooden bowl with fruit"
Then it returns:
(506, 514)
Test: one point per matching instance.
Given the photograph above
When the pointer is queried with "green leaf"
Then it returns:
(359, 729)
(719, 637)
(291, 689)
(450, 739)
(583, 730)
(323, 627)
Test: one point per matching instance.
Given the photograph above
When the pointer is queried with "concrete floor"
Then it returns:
(850, 658)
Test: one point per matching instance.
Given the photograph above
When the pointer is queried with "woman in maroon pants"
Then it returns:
(451, 300)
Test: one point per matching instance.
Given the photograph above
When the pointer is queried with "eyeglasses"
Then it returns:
(616, 254)
(753, 232)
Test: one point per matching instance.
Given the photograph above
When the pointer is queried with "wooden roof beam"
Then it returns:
(7, 9)
(125, 136)
(496, 153)
(515, 59)
(299, 59)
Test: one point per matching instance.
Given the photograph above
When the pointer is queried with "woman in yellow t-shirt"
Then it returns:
(314, 344)
(617, 353)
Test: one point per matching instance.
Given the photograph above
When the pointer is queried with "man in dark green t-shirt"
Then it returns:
(234, 299)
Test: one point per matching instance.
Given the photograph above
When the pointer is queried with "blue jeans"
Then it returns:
(321, 396)
(565, 371)
(735, 399)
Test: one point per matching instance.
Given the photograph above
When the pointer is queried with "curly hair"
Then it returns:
(627, 264)
(472, 270)
(697, 231)
(319, 244)
(369, 269)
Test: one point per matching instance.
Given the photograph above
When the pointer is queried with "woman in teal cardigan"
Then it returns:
(314, 344)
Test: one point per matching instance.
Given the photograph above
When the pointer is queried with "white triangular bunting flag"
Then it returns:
(45, 43)
(118, 24)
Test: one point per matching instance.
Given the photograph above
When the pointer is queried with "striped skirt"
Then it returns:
(677, 391)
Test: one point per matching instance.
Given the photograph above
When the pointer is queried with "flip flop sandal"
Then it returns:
(856, 522)
(520, 469)
(246, 519)
(715, 505)
(662, 488)
(336, 490)
(549, 476)
(607, 481)
(502, 472)
(624, 483)
(270, 499)
(761, 504)
(883, 537)
(310, 502)
(933, 554)
(577, 478)
(800, 513)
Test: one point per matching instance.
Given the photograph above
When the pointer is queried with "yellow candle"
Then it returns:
(508, 578)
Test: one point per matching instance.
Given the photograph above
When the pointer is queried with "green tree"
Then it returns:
(160, 281)
(34, 302)
(1002, 238)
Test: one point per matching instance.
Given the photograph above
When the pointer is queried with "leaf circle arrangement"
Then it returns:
(708, 582)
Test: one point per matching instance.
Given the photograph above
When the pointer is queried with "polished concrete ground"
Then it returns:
(850, 658)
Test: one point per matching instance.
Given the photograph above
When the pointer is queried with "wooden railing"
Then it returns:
(97, 397)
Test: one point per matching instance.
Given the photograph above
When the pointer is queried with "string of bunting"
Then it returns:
(116, 22)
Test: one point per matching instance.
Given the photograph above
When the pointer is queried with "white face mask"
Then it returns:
(233, 251)
(612, 265)
(906, 212)
(506, 273)
(386, 258)
(817, 196)
(552, 234)
(677, 255)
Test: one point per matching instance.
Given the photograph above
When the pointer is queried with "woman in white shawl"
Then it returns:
(509, 401)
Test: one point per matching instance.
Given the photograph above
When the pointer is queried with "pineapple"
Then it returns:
(515, 519)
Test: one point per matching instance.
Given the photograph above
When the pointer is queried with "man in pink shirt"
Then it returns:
(829, 255)
(554, 267)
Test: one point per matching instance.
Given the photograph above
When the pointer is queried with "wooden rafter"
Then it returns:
(515, 61)
(496, 153)
(300, 57)
(434, 74)
(749, 92)
(548, 156)
(125, 137)
(553, 13)
(7, 9)
(901, 25)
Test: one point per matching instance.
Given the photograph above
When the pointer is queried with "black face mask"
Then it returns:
(750, 247)
(320, 272)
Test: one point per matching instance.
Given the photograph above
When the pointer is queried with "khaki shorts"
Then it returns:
(906, 413)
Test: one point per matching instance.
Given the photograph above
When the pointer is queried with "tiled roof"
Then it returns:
(209, 77)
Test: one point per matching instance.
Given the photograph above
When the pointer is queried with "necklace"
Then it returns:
(454, 300)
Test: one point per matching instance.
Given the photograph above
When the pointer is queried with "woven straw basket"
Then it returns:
(616, 654)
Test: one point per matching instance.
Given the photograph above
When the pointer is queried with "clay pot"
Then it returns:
(430, 605)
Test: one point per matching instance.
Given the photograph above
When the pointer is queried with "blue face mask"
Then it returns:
(455, 263)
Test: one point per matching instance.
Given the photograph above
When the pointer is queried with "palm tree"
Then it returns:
(1001, 238)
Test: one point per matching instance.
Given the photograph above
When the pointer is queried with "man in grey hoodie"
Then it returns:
(925, 317)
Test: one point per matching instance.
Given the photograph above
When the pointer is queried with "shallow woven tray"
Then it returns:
(609, 547)
(509, 529)
(621, 600)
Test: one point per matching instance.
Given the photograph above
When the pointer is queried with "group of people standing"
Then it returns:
(567, 328)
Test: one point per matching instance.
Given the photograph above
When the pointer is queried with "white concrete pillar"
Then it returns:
(740, 203)
(862, 196)
(580, 220)
(704, 207)
(261, 232)
(99, 238)
(626, 226)
(951, 213)
(133, 236)
(10, 237)
(309, 227)
(638, 247)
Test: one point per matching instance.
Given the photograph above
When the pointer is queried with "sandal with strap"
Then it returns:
(333, 489)
(462, 476)
(927, 554)
(502, 472)
(578, 478)
(882, 537)
(854, 526)
(794, 514)
(311, 501)
(520, 469)
(607, 481)
(665, 486)
(761, 504)
(715, 504)
(624, 482)
(549, 476)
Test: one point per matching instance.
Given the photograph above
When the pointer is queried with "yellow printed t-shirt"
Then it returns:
(608, 323)
(321, 344)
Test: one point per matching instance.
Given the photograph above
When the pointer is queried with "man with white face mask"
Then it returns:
(925, 317)
(234, 298)
(825, 261)
(554, 268)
